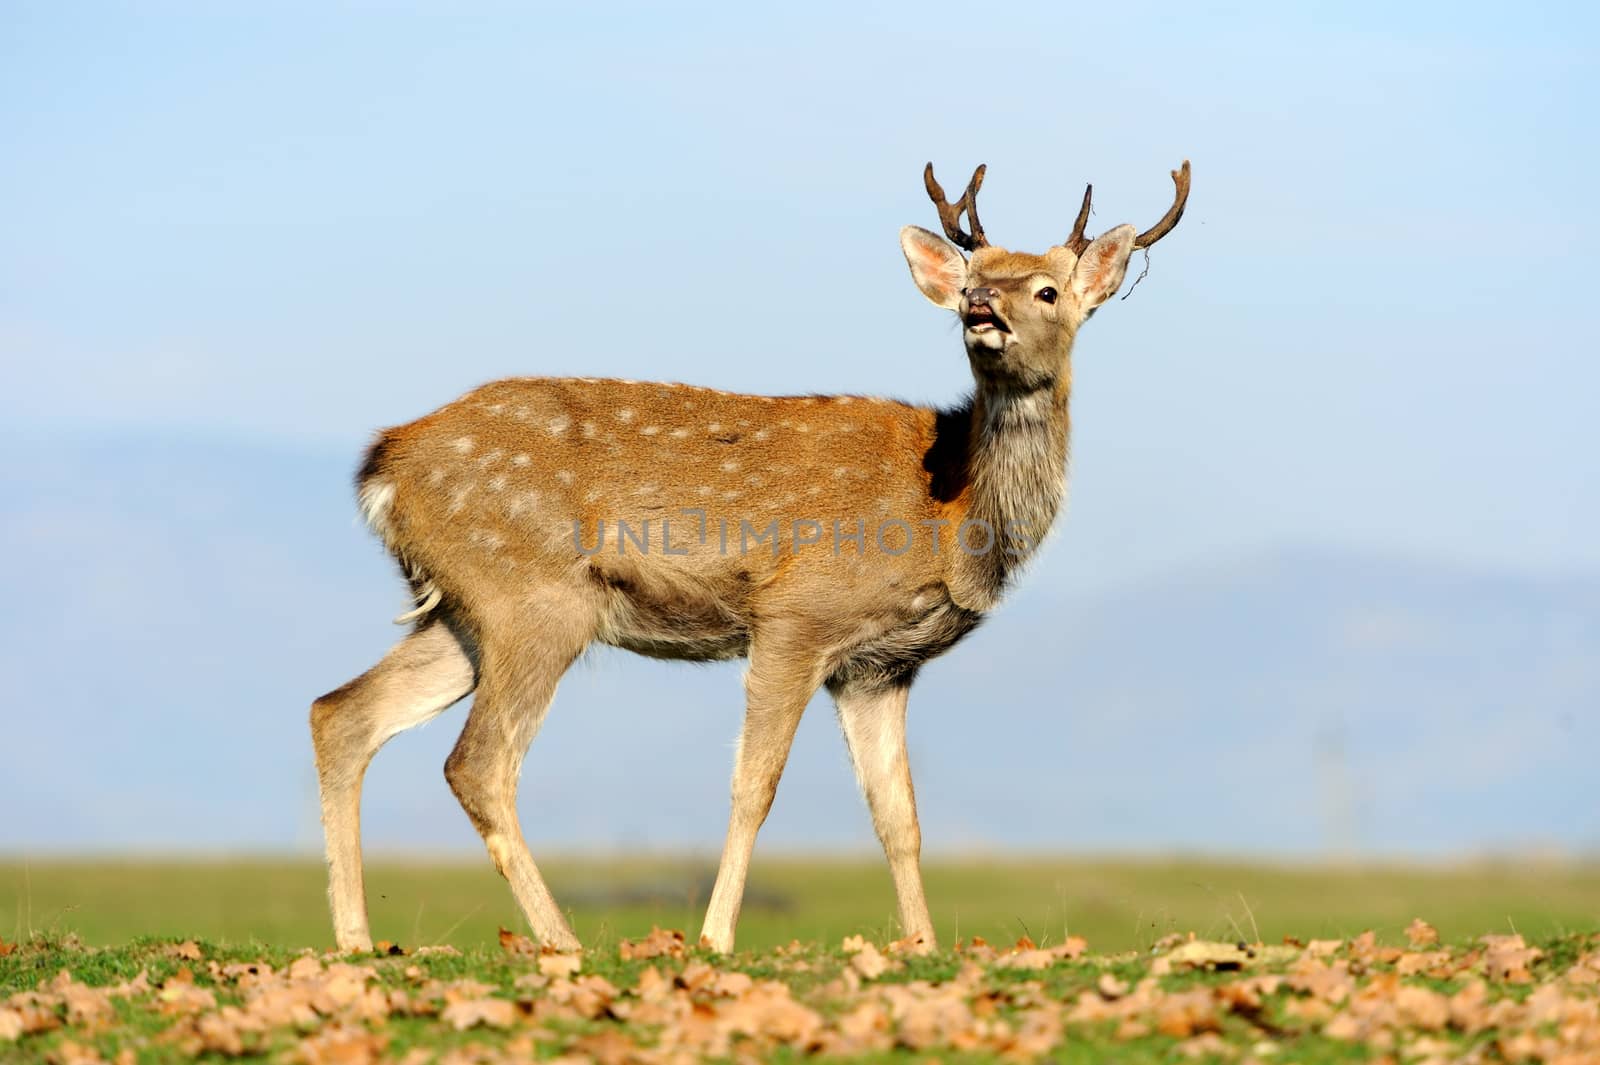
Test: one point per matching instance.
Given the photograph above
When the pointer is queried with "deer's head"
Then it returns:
(1019, 312)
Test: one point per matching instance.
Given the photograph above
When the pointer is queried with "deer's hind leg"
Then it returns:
(518, 682)
(417, 680)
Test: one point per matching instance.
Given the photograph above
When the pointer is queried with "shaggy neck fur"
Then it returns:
(1017, 473)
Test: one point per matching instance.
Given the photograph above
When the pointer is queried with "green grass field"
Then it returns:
(136, 962)
(1116, 905)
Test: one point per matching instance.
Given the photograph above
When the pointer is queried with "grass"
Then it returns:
(115, 923)
(1115, 904)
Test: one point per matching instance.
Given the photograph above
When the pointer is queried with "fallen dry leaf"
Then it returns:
(1420, 933)
(518, 946)
(470, 1013)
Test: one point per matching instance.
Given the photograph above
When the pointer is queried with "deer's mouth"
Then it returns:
(983, 320)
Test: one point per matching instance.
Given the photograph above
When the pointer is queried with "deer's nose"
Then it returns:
(981, 297)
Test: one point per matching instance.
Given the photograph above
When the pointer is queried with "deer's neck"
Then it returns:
(1017, 479)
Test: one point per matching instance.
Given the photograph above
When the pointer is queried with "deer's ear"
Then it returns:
(936, 266)
(1101, 267)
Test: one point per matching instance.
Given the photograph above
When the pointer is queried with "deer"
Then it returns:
(836, 541)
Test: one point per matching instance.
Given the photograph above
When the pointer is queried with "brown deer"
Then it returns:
(833, 540)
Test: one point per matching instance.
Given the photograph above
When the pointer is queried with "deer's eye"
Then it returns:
(1047, 294)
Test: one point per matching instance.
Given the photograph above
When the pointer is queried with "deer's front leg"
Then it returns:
(778, 685)
(872, 714)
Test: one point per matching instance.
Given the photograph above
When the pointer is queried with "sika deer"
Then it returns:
(834, 540)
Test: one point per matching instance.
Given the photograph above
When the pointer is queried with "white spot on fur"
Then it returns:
(435, 477)
(647, 489)
(842, 400)
(729, 466)
(564, 476)
(489, 458)
(520, 503)
(497, 484)
(761, 434)
(650, 430)
(588, 429)
(462, 444)
(592, 496)
(559, 425)
(458, 498)
(520, 460)
(625, 414)
(731, 495)
(678, 434)
(714, 427)
(703, 490)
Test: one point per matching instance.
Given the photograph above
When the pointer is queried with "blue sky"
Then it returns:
(282, 226)
(1375, 324)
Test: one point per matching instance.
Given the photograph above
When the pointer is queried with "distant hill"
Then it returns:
(171, 609)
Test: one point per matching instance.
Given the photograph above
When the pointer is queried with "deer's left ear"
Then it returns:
(1101, 267)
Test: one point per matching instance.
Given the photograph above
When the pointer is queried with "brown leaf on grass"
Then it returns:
(6, 948)
(1365, 948)
(1200, 954)
(660, 943)
(1420, 1007)
(341, 1046)
(912, 944)
(68, 1052)
(11, 1025)
(1420, 933)
(1110, 987)
(179, 996)
(1330, 983)
(862, 1030)
(488, 1012)
(517, 946)
(1410, 964)
(868, 962)
(1183, 1013)
(1508, 958)
(87, 1005)
(188, 950)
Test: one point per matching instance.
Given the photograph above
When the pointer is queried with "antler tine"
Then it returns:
(1180, 178)
(1077, 241)
(950, 213)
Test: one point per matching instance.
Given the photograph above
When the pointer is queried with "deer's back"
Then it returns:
(674, 507)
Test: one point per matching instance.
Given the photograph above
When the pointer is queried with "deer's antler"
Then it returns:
(1180, 178)
(950, 213)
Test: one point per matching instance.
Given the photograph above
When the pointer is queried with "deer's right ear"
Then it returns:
(936, 266)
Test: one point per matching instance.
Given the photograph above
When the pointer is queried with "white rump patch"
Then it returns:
(375, 499)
